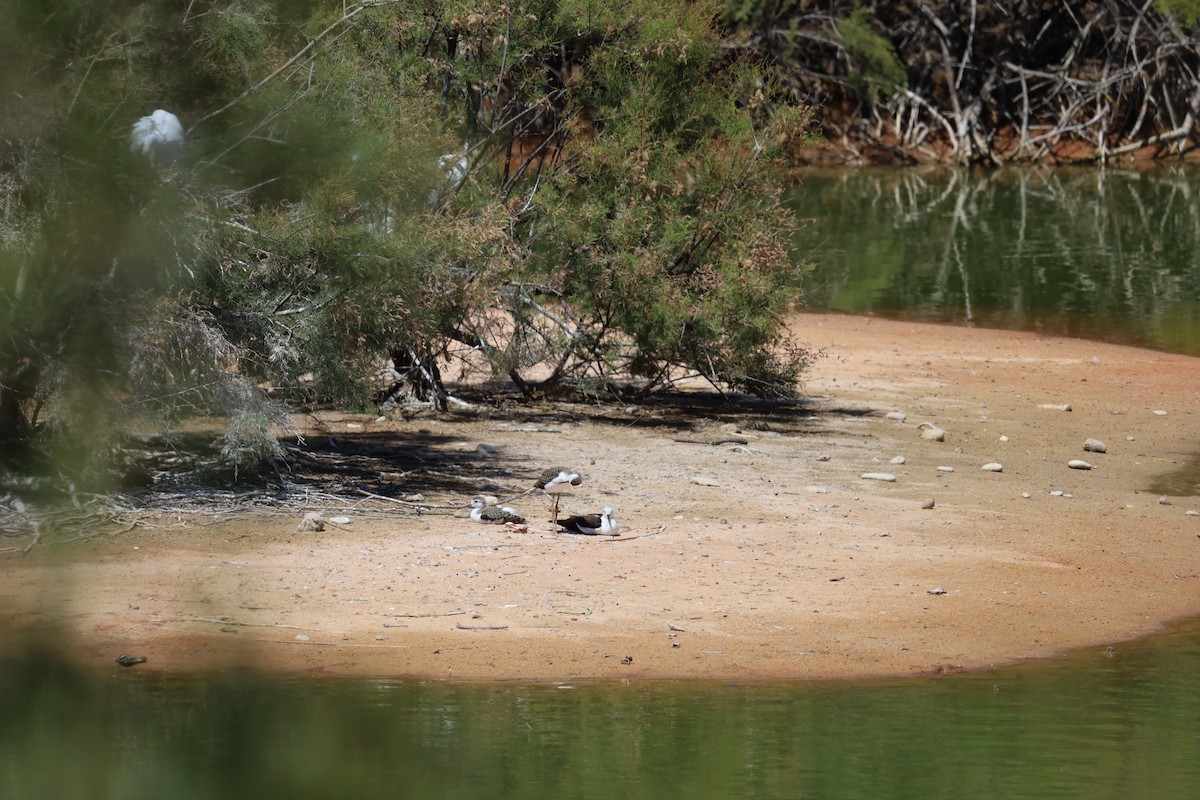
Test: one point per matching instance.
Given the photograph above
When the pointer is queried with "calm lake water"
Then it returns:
(1101, 254)
(1088, 725)
(1109, 255)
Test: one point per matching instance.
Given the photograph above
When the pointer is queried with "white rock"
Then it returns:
(300, 637)
(702, 480)
(993, 466)
(878, 476)
(1003, 438)
(932, 432)
(339, 520)
(1094, 446)
(1078, 463)
(354, 426)
(1056, 492)
(313, 521)
(928, 502)
(898, 460)
(899, 416)
(1158, 412)
(1026, 495)
(945, 469)
(1056, 406)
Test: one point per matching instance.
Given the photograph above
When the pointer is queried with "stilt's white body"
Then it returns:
(603, 523)
(555, 481)
(482, 512)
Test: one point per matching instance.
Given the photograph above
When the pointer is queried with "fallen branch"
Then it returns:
(462, 627)
(227, 621)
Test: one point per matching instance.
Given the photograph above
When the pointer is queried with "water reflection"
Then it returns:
(1103, 254)
(1083, 726)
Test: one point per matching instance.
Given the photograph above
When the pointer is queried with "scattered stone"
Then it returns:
(879, 476)
(1078, 463)
(300, 637)
(486, 449)
(932, 432)
(1003, 438)
(313, 521)
(1056, 492)
(1026, 495)
(1193, 513)
(1056, 406)
(381, 419)
(898, 460)
(838, 578)
(899, 416)
(1158, 412)
(126, 660)
(824, 458)
(702, 480)
(1094, 446)
(945, 469)
(631, 410)
(1163, 501)
(1129, 439)
(339, 520)
(937, 590)
(672, 626)
(927, 503)
(993, 466)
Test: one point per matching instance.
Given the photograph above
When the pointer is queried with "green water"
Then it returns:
(1101, 254)
(1083, 726)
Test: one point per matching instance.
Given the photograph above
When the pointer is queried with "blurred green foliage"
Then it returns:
(311, 232)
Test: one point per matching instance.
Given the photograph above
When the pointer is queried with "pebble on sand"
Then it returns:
(1078, 463)
(993, 466)
(313, 521)
(1094, 446)
(879, 476)
(1055, 406)
(932, 432)
(927, 503)
(898, 460)
(899, 416)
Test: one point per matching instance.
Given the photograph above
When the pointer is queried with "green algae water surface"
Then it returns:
(1102, 254)
(1122, 724)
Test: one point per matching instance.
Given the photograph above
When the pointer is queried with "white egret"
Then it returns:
(159, 137)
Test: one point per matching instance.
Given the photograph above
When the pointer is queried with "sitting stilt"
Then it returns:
(602, 523)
